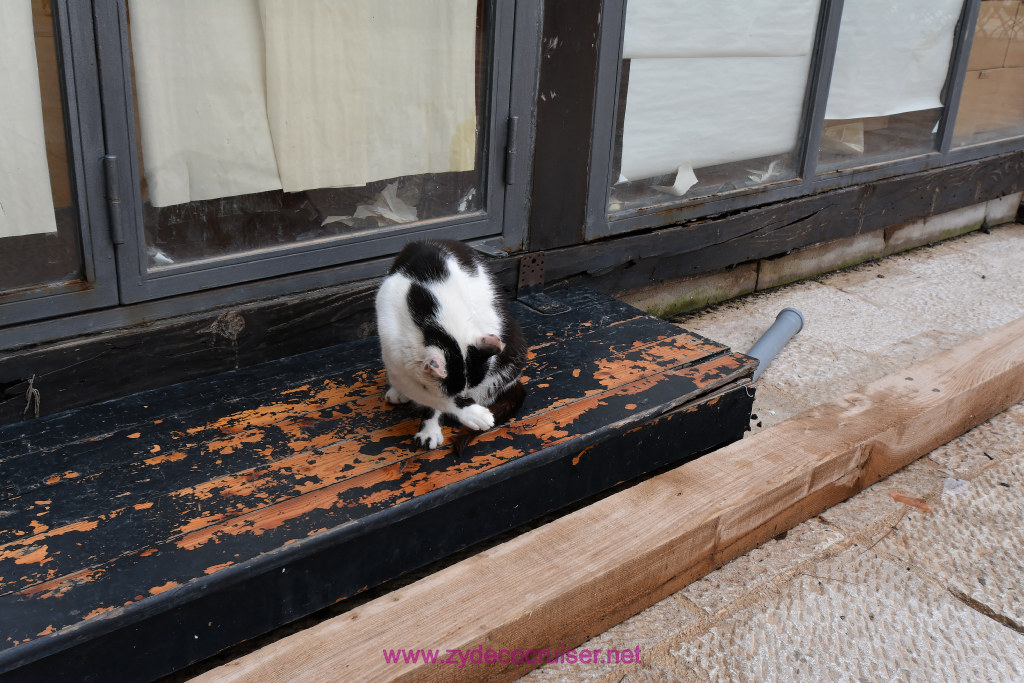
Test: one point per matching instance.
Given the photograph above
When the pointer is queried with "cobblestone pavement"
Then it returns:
(873, 588)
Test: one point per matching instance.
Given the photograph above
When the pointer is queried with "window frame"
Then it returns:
(600, 225)
(137, 283)
(80, 98)
(517, 86)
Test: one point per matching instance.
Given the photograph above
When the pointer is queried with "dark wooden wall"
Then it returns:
(705, 245)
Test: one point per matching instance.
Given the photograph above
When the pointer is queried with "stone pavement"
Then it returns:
(921, 576)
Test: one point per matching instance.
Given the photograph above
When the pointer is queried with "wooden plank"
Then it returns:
(222, 609)
(81, 371)
(235, 517)
(707, 244)
(573, 578)
(343, 441)
(565, 123)
(211, 398)
(636, 261)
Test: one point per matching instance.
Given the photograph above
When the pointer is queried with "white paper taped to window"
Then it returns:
(704, 112)
(364, 90)
(26, 205)
(892, 57)
(202, 99)
(712, 82)
(719, 28)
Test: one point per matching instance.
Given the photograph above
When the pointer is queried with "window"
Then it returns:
(992, 101)
(38, 223)
(705, 107)
(53, 257)
(273, 136)
(885, 95)
(162, 147)
(711, 97)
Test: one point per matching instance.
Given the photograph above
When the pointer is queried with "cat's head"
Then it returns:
(452, 374)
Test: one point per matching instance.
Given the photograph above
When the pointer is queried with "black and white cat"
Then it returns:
(448, 340)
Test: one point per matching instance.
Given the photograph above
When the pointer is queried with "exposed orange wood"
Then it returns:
(157, 590)
(547, 426)
(333, 476)
(338, 460)
(57, 587)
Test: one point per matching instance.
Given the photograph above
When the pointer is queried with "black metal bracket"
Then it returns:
(530, 290)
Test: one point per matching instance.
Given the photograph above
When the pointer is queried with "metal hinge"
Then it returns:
(531, 285)
(110, 172)
(510, 150)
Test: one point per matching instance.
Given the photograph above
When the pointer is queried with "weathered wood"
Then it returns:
(908, 198)
(641, 260)
(563, 583)
(252, 386)
(83, 371)
(304, 431)
(173, 509)
(565, 123)
(704, 245)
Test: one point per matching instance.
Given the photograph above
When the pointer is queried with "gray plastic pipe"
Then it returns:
(786, 325)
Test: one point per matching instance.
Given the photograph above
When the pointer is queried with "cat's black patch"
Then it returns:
(468, 259)
(509, 363)
(434, 335)
(422, 305)
(463, 401)
(476, 363)
(422, 262)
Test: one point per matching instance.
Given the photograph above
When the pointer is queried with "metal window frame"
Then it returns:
(76, 59)
(808, 182)
(138, 283)
(521, 94)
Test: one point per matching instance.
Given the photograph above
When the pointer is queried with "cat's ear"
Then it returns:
(491, 342)
(434, 365)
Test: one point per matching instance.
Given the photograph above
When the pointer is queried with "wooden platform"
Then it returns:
(174, 523)
(617, 556)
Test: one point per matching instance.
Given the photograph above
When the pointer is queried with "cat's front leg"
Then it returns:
(430, 434)
(475, 416)
(395, 397)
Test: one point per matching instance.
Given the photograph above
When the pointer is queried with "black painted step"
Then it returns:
(177, 522)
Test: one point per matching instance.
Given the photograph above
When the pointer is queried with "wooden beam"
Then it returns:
(573, 578)
(695, 246)
(565, 123)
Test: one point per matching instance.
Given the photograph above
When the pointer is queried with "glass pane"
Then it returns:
(266, 124)
(39, 241)
(711, 97)
(992, 101)
(885, 98)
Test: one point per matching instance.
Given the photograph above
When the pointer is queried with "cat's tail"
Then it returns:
(503, 408)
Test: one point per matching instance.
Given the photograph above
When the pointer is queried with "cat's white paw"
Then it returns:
(476, 417)
(430, 434)
(395, 397)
